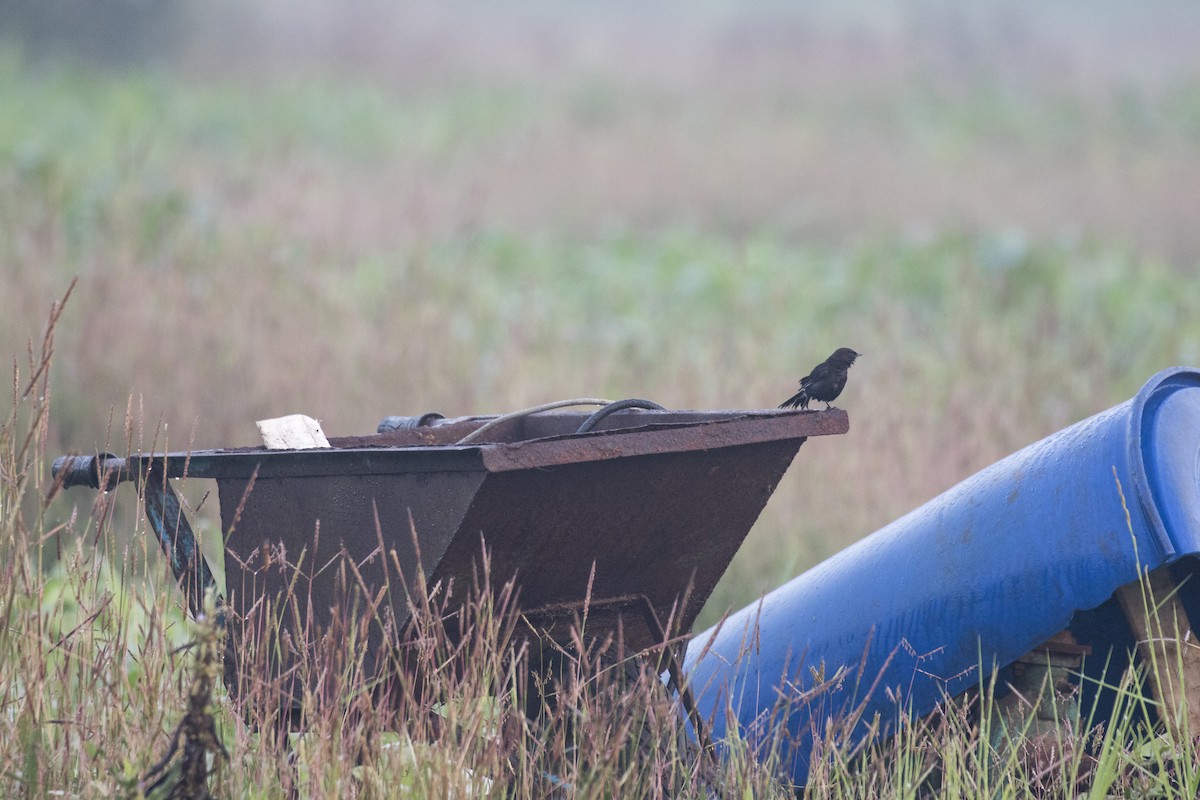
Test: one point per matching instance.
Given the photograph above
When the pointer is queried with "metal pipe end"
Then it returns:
(406, 423)
(90, 471)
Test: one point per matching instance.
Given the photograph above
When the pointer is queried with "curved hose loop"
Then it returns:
(632, 402)
(582, 401)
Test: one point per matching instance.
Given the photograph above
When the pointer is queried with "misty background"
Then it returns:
(363, 208)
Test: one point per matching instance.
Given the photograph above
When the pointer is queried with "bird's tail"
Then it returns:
(798, 400)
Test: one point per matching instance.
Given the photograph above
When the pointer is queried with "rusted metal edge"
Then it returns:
(108, 470)
(717, 430)
(546, 425)
(729, 432)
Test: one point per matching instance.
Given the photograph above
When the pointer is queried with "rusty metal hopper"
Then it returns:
(657, 504)
(652, 504)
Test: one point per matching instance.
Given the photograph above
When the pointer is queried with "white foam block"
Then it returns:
(293, 432)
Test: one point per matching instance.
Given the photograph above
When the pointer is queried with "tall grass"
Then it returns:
(109, 691)
(101, 676)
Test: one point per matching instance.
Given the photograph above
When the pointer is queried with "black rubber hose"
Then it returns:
(618, 405)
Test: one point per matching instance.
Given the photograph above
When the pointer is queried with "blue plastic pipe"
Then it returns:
(978, 576)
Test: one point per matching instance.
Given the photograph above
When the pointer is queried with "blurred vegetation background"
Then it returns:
(366, 208)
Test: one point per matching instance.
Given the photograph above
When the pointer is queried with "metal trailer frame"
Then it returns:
(633, 522)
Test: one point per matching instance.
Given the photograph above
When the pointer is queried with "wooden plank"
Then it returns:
(1168, 645)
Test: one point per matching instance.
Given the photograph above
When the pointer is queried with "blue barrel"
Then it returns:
(967, 583)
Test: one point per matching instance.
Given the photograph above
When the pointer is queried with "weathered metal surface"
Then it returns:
(657, 439)
(439, 431)
(301, 523)
(657, 524)
(662, 525)
(289, 542)
(1036, 543)
(653, 504)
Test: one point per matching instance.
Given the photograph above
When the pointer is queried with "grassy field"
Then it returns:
(472, 213)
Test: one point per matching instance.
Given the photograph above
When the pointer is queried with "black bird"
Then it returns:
(825, 382)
